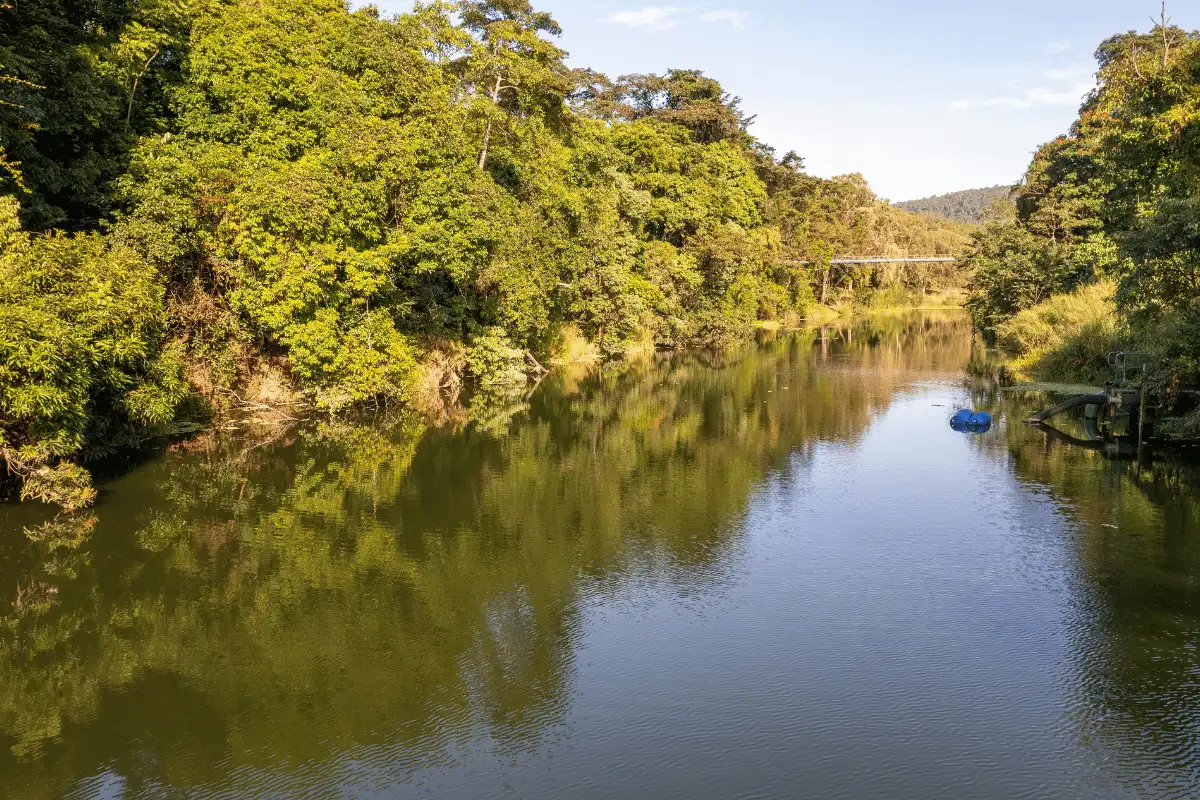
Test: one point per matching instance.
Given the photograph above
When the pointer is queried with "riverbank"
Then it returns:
(1070, 338)
(241, 386)
(1098, 252)
(879, 302)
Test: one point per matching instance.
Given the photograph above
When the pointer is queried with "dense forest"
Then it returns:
(1103, 252)
(970, 205)
(220, 203)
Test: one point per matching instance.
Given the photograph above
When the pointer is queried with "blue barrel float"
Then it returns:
(968, 421)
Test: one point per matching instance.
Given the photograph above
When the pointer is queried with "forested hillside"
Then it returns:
(971, 205)
(215, 202)
(1104, 250)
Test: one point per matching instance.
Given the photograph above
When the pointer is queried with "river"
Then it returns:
(774, 572)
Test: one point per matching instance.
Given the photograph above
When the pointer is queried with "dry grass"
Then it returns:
(268, 384)
(1066, 338)
(437, 389)
(572, 347)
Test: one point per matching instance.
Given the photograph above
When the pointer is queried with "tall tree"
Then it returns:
(85, 78)
(685, 97)
(510, 65)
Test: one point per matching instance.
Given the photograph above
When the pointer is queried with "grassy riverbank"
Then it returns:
(879, 301)
(1069, 338)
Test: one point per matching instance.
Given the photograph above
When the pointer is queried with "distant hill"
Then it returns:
(969, 205)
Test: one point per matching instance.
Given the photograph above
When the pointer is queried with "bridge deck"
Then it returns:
(880, 260)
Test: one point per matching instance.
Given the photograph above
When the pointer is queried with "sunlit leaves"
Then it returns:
(81, 326)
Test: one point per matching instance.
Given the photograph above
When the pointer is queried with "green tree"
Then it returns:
(82, 322)
(1012, 269)
(684, 97)
(354, 206)
(509, 65)
(84, 79)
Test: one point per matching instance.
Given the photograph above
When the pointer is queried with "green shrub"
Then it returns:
(1184, 428)
(494, 362)
(894, 296)
(1012, 270)
(82, 366)
(1173, 341)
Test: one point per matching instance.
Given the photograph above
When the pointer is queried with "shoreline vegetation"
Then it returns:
(221, 206)
(1100, 250)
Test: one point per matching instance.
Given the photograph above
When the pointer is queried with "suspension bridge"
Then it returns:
(878, 260)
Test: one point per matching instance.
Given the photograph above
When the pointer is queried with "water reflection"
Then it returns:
(1134, 683)
(356, 609)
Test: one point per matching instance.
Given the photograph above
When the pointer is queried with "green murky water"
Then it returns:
(774, 573)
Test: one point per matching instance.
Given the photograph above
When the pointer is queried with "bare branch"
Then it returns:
(534, 361)
(133, 91)
(1162, 24)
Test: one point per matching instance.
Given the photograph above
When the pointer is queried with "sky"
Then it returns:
(920, 96)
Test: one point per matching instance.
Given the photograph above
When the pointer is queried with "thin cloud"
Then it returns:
(1037, 96)
(735, 19)
(1081, 73)
(1061, 86)
(991, 102)
(1058, 48)
(1044, 96)
(652, 18)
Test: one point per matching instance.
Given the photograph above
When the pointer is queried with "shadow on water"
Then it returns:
(258, 619)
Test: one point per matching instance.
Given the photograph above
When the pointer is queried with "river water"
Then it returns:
(776, 572)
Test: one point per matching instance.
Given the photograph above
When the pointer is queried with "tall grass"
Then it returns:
(1068, 337)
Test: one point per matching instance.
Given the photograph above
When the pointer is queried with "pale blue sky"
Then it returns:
(921, 96)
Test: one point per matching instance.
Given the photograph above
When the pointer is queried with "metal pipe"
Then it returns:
(1074, 402)
(1141, 420)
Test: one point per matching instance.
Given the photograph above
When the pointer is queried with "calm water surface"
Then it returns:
(775, 573)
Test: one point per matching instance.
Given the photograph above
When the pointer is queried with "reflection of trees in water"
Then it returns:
(243, 605)
(1134, 621)
(929, 343)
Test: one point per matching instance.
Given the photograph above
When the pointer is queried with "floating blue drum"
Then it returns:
(968, 421)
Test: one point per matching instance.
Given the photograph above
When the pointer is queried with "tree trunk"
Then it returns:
(487, 135)
(1166, 40)
(487, 132)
